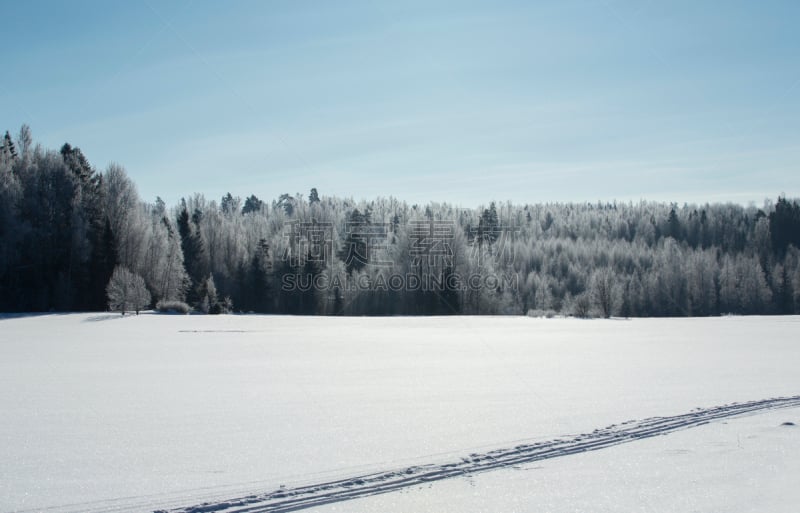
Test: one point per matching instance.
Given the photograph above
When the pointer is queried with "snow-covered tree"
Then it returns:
(64, 227)
(605, 292)
(127, 292)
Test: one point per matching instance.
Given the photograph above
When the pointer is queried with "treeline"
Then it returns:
(65, 228)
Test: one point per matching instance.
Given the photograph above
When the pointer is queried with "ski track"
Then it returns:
(293, 499)
(286, 499)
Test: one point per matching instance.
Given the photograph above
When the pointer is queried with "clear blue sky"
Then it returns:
(456, 101)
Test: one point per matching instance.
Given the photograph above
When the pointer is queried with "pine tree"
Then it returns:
(194, 257)
(673, 225)
(306, 282)
(784, 226)
(77, 163)
(259, 279)
(286, 202)
(488, 225)
(8, 148)
(252, 204)
(227, 204)
(354, 251)
(101, 266)
(448, 298)
(91, 279)
(338, 301)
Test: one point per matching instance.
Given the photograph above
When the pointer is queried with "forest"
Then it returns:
(65, 227)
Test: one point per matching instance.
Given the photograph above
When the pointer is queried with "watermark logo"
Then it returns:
(408, 282)
(496, 242)
(431, 242)
(367, 246)
(308, 241)
(365, 242)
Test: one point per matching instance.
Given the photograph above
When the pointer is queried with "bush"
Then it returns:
(178, 307)
(221, 307)
(549, 314)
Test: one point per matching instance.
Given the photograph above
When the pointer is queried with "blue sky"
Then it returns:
(464, 102)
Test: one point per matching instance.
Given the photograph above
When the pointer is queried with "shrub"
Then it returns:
(548, 313)
(224, 306)
(178, 307)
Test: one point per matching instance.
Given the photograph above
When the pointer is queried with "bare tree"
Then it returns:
(25, 141)
(582, 306)
(605, 291)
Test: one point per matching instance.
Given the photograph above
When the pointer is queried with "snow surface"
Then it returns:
(100, 412)
(740, 465)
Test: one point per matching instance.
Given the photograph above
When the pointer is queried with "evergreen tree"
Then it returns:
(194, 256)
(101, 266)
(64, 228)
(784, 226)
(8, 149)
(448, 297)
(338, 301)
(91, 279)
(673, 225)
(286, 202)
(259, 278)
(354, 250)
(229, 204)
(252, 204)
(308, 293)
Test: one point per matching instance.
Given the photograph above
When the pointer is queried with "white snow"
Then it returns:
(140, 413)
(746, 464)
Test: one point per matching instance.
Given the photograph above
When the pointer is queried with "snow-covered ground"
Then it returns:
(747, 464)
(99, 412)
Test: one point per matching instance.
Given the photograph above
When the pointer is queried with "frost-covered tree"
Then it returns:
(605, 292)
(127, 292)
(209, 302)
(25, 141)
(64, 227)
(128, 217)
(163, 268)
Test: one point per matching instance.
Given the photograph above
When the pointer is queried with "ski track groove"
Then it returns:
(285, 500)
